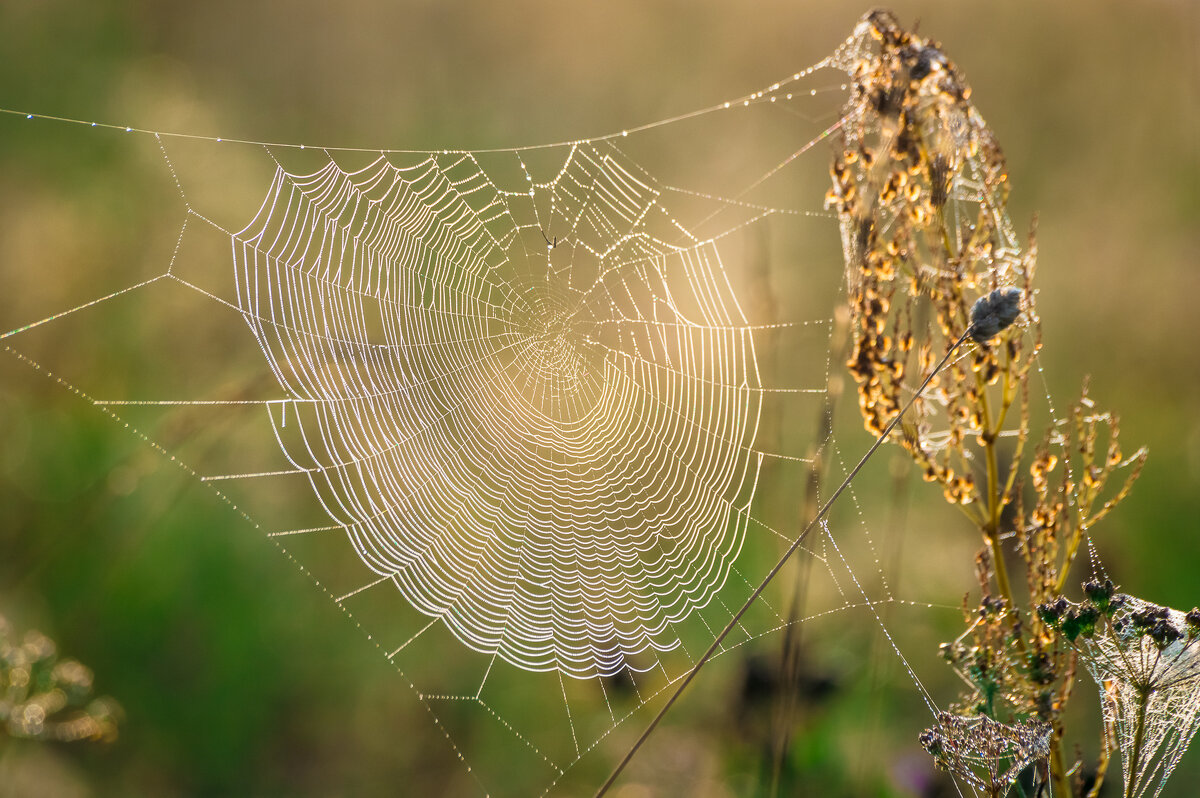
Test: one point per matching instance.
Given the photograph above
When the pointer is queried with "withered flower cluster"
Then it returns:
(986, 754)
(920, 187)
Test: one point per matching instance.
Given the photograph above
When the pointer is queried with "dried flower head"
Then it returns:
(1146, 661)
(985, 753)
(45, 698)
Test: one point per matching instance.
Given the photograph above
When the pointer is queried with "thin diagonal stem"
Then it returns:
(737, 616)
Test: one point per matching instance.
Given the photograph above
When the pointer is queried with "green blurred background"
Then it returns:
(236, 675)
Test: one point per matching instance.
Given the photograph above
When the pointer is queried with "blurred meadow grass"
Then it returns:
(236, 676)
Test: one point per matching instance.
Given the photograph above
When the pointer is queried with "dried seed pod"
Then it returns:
(994, 313)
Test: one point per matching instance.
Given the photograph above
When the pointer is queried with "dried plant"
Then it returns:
(1146, 661)
(935, 269)
(985, 753)
(43, 697)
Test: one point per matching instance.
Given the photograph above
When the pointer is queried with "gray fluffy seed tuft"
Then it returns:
(994, 313)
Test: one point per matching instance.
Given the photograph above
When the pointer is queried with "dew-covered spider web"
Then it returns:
(536, 418)
(531, 411)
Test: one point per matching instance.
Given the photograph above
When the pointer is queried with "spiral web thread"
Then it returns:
(529, 400)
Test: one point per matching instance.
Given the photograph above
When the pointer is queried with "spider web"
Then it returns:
(548, 443)
(507, 408)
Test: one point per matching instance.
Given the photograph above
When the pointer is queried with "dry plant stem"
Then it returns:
(1107, 747)
(1062, 786)
(1101, 772)
(896, 526)
(1058, 768)
(1139, 735)
(1022, 431)
(787, 709)
(996, 495)
(991, 532)
(789, 669)
(790, 664)
(1069, 558)
(1072, 549)
(787, 555)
